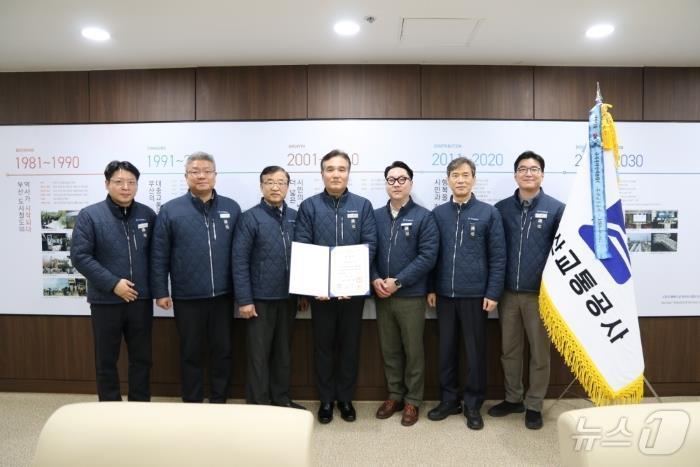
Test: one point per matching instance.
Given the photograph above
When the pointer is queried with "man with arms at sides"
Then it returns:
(530, 220)
(407, 247)
(262, 248)
(336, 217)
(192, 243)
(468, 282)
(110, 247)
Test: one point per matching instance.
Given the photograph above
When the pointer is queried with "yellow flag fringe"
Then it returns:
(608, 132)
(580, 362)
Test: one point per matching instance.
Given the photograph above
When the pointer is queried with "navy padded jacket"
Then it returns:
(111, 243)
(192, 242)
(407, 247)
(262, 247)
(529, 235)
(472, 259)
(348, 220)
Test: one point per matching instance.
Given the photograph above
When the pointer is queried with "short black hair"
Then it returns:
(121, 165)
(460, 161)
(271, 169)
(336, 153)
(400, 165)
(529, 155)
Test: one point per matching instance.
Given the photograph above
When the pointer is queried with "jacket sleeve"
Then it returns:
(369, 230)
(557, 218)
(82, 255)
(160, 256)
(243, 243)
(496, 257)
(424, 262)
(303, 227)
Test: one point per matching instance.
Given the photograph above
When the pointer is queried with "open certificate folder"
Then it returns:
(329, 271)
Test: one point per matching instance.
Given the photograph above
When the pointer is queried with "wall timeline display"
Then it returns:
(50, 172)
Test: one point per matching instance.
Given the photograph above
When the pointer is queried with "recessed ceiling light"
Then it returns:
(95, 34)
(599, 30)
(346, 28)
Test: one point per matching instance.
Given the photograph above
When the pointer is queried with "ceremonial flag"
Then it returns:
(587, 298)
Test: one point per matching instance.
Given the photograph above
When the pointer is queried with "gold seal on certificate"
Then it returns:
(322, 271)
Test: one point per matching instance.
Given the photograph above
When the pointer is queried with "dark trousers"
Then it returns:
(134, 320)
(336, 328)
(468, 315)
(202, 321)
(269, 349)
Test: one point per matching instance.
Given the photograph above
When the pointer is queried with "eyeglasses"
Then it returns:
(197, 173)
(399, 180)
(532, 170)
(120, 182)
(278, 183)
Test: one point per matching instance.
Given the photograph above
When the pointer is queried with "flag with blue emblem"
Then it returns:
(587, 300)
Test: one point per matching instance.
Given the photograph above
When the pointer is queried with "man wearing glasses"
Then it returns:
(468, 281)
(192, 243)
(530, 219)
(407, 247)
(336, 217)
(262, 248)
(110, 247)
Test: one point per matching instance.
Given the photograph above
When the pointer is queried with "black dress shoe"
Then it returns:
(474, 420)
(347, 411)
(445, 409)
(291, 405)
(533, 419)
(325, 412)
(505, 408)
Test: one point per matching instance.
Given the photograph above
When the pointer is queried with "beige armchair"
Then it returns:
(666, 434)
(174, 434)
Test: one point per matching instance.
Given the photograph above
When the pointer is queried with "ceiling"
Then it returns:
(45, 34)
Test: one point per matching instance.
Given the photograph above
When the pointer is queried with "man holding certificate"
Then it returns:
(336, 217)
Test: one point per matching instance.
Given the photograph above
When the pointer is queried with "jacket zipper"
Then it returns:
(454, 254)
(284, 242)
(337, 205)
(523, 221)
(211, 260)
(128, 244)
(391, 235)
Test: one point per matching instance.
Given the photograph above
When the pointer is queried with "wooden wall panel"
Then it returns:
(503, 92)
(46, 347)
(55, 354)
(142, 95)
(57, 97)
(364, 91)
(567, 93)
(672, 94)
(251, 93)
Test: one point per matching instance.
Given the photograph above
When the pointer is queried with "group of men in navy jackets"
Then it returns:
(464, 258)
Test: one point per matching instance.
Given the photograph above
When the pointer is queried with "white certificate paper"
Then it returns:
(321, 271)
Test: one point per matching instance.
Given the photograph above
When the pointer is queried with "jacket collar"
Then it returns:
(533, 201)
(405, 208)
(273, 211)
(455, 205)
(201, 205)
(119, 211)
(333, 200)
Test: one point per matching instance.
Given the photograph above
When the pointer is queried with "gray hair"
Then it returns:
(454, 163)
(200, 156)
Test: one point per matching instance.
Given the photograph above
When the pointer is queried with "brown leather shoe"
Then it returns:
(389, 408)
(410, 415)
